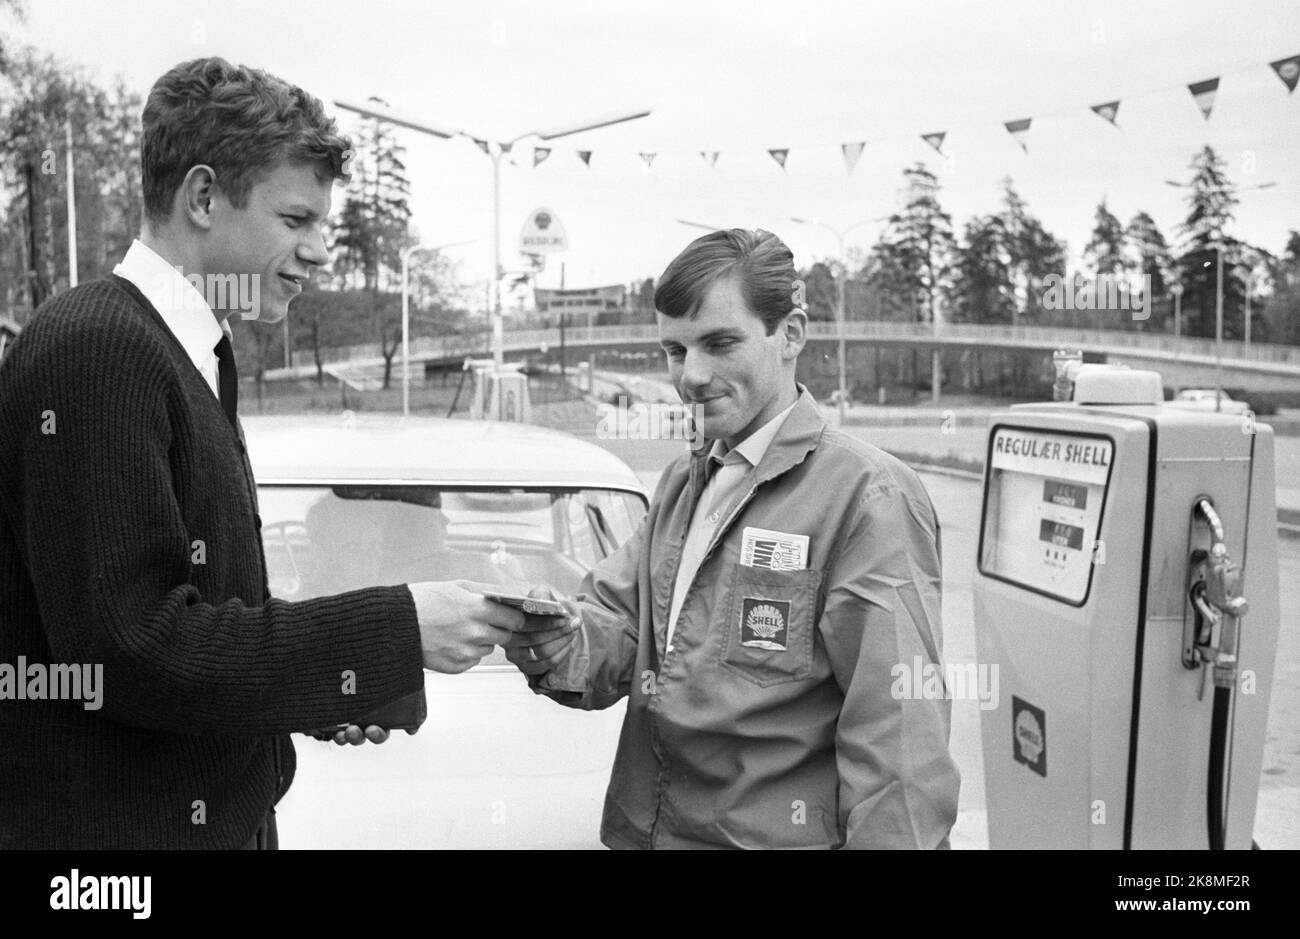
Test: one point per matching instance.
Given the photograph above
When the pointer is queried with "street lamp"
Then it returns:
(839, 294)
(406, 316)
(1218, 285)
(385, 114)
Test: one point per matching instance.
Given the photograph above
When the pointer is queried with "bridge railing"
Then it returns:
(971, 334)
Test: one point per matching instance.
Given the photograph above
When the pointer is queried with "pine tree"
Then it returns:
(1034, 254)
(1282, 312)
(1210, 203)
(38, 94)
(372, 230)
(913, 258)
(1105, 251)
(1150, 259)
(983, 291)
(16, 9)
(820, 292)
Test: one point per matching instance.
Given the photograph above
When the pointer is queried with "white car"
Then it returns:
(1203, 399)
(384, 500)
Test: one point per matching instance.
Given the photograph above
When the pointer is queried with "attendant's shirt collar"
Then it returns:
(176, 299)
(756, 444)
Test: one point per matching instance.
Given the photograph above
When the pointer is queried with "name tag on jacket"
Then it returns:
(773, 550)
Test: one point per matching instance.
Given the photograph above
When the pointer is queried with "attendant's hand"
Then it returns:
(538, 647)
(459, 626)
(352, 734)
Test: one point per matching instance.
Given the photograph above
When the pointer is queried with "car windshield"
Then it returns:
(323, 540)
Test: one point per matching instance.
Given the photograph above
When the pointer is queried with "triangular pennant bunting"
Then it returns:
(1204, 93)
(851, 153)
(1288, 70)
(1109, 110)
(1017, 129)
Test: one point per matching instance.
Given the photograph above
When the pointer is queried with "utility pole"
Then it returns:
(72, 204)
(563, 317)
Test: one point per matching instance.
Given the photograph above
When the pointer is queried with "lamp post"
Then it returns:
(1218, 286)
(1177, 291)
(406, 316)
(1248, 281)
(839, 234)
(72, 205)
(385, 114)
(1218, 326)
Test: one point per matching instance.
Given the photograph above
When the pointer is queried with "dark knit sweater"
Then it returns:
(203, 673)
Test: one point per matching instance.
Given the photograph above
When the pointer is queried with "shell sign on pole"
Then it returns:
(543, 234)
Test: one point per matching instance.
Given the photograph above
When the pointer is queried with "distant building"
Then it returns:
(600, 305)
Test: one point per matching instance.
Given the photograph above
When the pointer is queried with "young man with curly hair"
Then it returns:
(129, 533)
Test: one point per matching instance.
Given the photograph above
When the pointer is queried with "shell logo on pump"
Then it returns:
(1029, 735)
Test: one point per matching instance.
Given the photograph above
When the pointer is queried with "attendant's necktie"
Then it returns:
(227, 380)
(724, 474)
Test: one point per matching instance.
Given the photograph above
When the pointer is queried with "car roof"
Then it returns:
(391, 448)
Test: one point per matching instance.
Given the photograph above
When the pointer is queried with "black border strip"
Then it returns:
(1143, 587)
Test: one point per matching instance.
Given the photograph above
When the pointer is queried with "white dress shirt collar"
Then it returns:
(755, 445)
(177, 301)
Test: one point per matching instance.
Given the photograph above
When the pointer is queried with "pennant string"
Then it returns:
(1287, 70)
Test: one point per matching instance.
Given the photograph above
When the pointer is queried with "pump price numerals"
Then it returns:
(1065, 494)
(1060, 534)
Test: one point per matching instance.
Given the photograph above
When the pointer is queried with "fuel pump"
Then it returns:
(499, 394)
(1119, 541)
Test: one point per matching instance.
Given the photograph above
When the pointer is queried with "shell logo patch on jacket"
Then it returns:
(764, 624)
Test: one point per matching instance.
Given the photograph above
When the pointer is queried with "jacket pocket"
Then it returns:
(768, 635)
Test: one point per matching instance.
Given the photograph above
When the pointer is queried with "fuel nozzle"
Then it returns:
(1218, 599)
(1223, 592)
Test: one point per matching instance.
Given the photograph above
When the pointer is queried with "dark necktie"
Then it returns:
(227, 380)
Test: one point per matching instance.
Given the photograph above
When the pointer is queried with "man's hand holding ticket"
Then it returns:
(534, 648)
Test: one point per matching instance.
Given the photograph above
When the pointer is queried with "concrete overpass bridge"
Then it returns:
(1182, 362)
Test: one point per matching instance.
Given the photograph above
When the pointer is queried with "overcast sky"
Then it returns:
(745, 77)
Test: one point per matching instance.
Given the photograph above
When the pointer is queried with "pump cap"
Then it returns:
(1117, 384)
